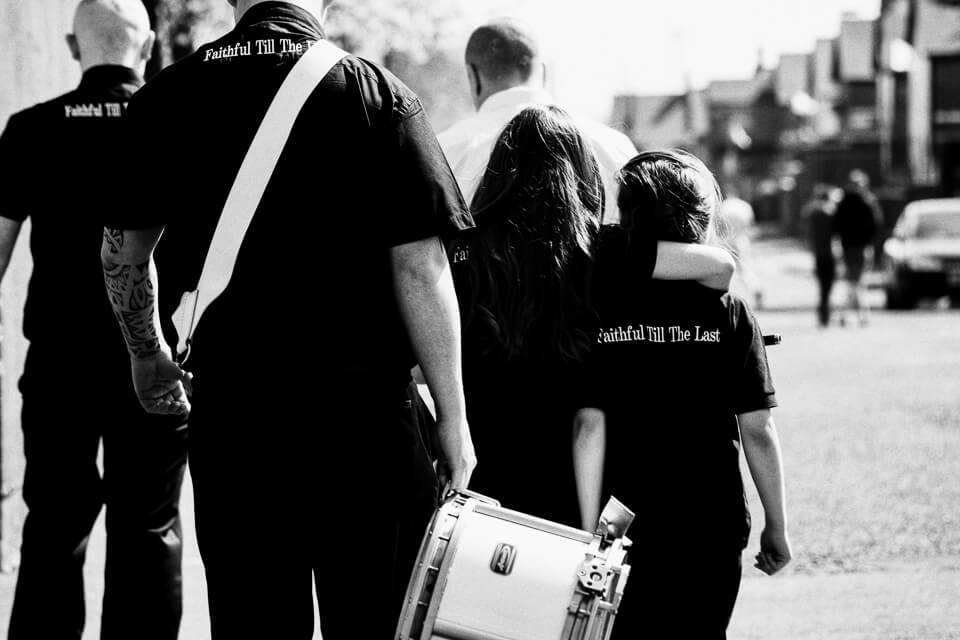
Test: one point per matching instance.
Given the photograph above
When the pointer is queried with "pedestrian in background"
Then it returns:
(507, 74)
(60, 167)
(737, 224)
(819, 216)
(857, 221)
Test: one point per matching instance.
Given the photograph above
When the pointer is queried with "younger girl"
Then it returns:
(682, 379)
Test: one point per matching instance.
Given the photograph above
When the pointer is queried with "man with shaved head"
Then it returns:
(309, 470)
(60, 167)
(507, 74)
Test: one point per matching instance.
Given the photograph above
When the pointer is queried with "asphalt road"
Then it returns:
(869, 418)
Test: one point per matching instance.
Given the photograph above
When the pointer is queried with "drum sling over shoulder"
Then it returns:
(249, 185)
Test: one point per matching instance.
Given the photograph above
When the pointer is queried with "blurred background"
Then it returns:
(777, 96)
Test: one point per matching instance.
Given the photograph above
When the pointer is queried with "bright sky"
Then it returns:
(606, 47)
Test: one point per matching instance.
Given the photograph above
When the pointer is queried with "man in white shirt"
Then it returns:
(506, 75)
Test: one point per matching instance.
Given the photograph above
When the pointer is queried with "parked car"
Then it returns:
(922, 256)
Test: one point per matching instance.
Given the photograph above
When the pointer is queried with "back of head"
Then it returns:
(112, 32)
(859, 179)
(503, 53)
(825, 191)
(671, 194)
(538, 206)
(316, 7)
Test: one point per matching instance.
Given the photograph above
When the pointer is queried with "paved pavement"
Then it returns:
(195, 624)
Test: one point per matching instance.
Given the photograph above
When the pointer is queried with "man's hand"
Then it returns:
(774, 551)
(455, 458)
(161, 385)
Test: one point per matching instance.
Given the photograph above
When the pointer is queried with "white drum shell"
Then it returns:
(471, 601)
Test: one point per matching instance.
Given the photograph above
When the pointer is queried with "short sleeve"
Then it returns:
(594, 385)
(426, 200)
(624, 260)
(14, 167)
(751, 384)
(623, 267)
(642, 255)
(133, 207)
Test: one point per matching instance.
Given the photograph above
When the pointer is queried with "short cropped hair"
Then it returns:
(503, 49)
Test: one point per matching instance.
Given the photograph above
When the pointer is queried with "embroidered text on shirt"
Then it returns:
(264, 47)
(649, 333)
(94, 110)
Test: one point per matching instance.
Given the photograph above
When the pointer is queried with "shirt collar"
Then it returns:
(104, 76)
(513, 97)
(280, 12)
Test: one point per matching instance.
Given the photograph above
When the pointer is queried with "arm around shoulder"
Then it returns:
(710, 266)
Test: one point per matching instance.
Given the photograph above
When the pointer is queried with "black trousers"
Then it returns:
(678, 591)
(826, 275)
(296, 489)
(64, 420)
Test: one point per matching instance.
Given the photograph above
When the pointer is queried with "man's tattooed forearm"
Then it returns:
(131, 292)
(115, 276)
(142, 340)
(113, 238)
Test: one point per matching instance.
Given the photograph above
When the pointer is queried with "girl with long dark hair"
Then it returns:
(523, 280)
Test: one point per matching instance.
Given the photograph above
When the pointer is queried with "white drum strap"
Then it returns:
(249, 185)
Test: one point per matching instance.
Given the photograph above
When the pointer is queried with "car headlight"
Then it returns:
(924, 263)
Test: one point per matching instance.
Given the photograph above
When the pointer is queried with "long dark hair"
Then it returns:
(538, 208)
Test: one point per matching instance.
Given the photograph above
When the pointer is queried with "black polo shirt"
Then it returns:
(674, 362)
(59, 166)
(361, 173)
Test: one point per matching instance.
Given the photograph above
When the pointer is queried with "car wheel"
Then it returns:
(898, 297)
(893, 299)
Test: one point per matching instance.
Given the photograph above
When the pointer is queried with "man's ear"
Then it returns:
(146, 52)
(73, 46)
(476, 84)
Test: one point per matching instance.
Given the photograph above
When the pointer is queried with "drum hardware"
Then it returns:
(489, 573)
(594, 575)
(615, 519)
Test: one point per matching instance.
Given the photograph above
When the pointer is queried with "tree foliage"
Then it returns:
(183, 25)
(421, 41)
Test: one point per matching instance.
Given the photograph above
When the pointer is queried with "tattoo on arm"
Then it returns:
(132, 294)
(113, 238)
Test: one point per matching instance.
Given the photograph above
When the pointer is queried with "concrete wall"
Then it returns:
(34, 66)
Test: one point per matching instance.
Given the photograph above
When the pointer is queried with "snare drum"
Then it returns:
(489, 573)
